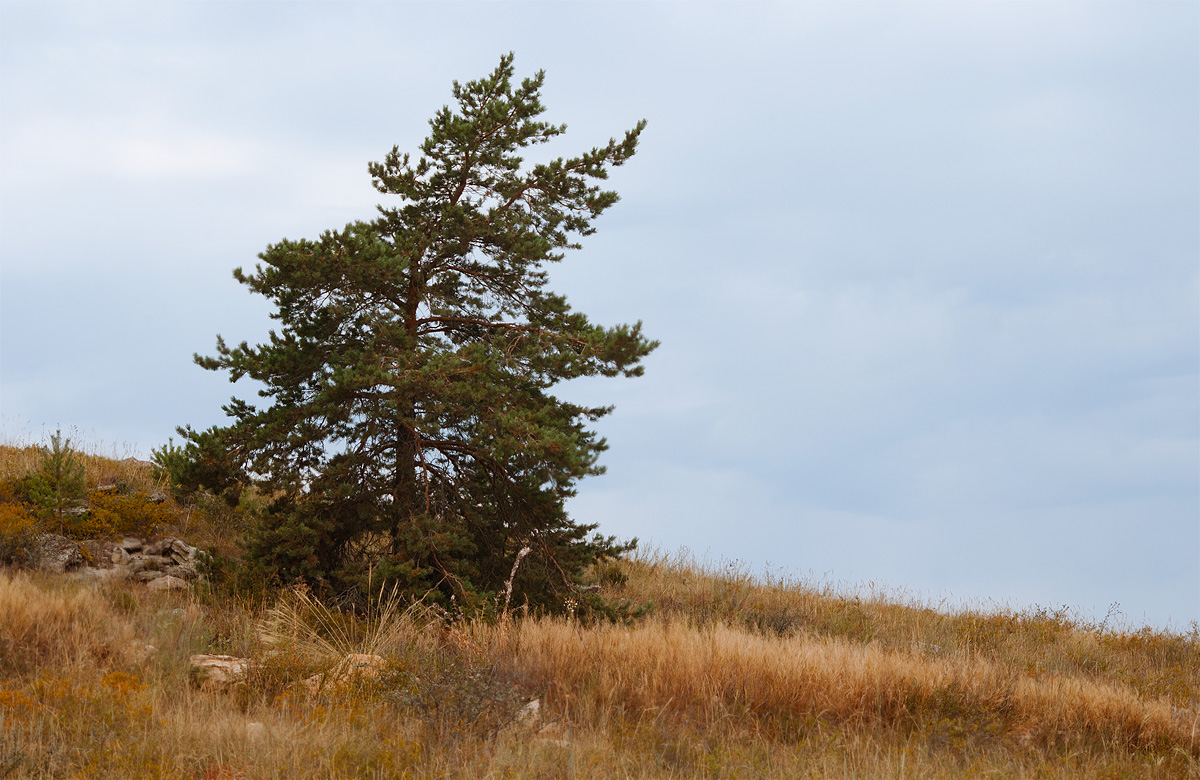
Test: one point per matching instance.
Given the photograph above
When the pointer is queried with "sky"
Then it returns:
(926, 275)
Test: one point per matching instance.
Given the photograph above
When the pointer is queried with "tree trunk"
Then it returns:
(407, 456)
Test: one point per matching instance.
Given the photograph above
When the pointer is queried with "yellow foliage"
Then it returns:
(17, 527)
(112, 514)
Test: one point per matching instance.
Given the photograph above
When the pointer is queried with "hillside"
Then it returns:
(727, 675)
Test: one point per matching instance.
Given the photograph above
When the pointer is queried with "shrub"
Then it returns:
(169, 463)
(115, 515)
(62, 477)
(206, 462)
(17, 528)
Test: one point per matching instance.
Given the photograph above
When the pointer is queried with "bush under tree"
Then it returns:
(409, 432)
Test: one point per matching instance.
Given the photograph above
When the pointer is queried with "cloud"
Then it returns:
(127, 148)
(925, 275)
(148, 156)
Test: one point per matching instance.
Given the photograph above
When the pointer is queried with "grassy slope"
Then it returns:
(730, 677)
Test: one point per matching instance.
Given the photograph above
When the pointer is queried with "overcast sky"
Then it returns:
(926, 276)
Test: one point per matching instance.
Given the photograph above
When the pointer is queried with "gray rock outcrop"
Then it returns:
(54, 553)
(172, 561)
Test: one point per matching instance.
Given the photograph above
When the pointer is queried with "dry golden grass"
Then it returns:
(19, 459)
(46, 624)
(716, 673)
(669, 697)
(730, 676)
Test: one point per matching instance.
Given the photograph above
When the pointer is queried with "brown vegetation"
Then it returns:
(729, 676)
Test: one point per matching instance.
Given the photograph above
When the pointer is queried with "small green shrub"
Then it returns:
(169, 463)
(61, 482)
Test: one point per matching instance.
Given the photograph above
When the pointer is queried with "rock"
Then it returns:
(166, 582)
(562, 743)
(361, 665)
(95, 551)
(75, 511)
(255, 731)
(187, 572)
(142, 651)
(169, 563)
(552, 734)
(530, 717)
(219, 671)
(54, 553)
(158, 497)
(140, 562)
(159, 547)
(88, 574)
(103, 552)
(531, 714)
(351, 669)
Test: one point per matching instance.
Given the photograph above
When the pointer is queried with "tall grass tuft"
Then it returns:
(308, 627)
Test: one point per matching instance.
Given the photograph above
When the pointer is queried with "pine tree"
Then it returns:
(60, 478)
(411, 431)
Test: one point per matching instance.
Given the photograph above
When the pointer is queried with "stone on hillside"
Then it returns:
(360, 665)
(219, 671)
(553, 734)
(101, 551)
(531, 714)
(353, 668)
(158, 497)
(185, 572)
(159, 547)
(170, 563)
(54, 553)
(166, 582)
(183, 553)
(88, 574)
(139, 563)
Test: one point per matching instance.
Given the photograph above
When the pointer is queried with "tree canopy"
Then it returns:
(409, 427)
